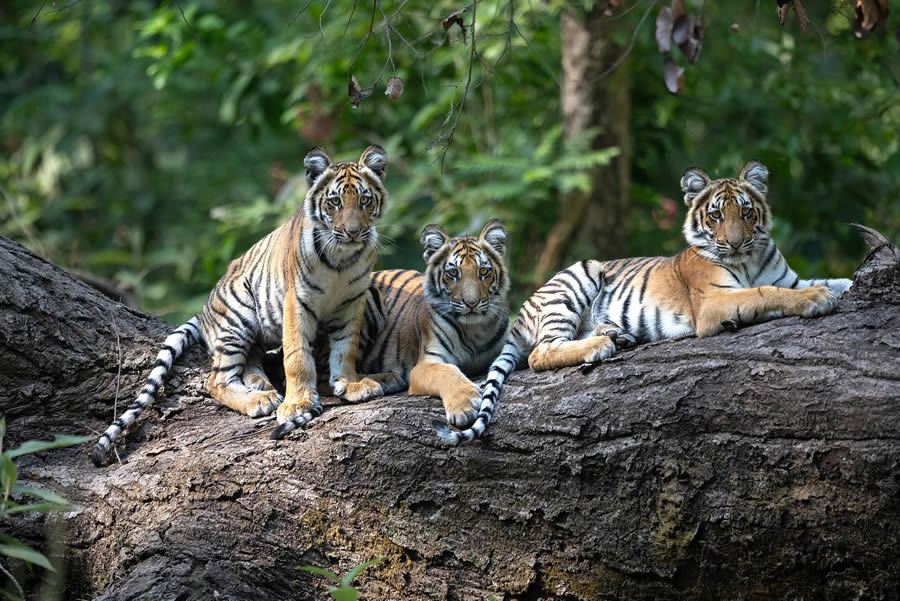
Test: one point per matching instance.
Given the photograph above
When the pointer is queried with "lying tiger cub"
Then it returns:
(731, 274)
(425, 332)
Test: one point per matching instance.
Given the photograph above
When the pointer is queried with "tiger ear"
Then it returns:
(375, 158)
(433, 238)
(494, 233)
(757, 175)
(316, 162)
(692, 183)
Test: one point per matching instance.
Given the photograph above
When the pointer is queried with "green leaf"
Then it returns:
(44, 507)
(40, 493)
(36, 446)
(10, 596)
(2, 430)
(345, 593)
(27, 554)
(8, 474)
(321, 572)
(348, 579)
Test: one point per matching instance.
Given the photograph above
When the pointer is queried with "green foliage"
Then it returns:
(145, 141)
(344, 591)
(47, 500)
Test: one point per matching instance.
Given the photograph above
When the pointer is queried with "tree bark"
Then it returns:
(594, 95)
(759, 464)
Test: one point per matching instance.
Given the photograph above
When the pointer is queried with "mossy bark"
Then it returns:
(759, 464)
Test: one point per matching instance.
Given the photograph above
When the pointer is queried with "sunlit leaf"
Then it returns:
(36, 446)
(27, 554)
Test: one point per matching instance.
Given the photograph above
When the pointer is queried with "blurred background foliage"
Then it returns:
(145, 142)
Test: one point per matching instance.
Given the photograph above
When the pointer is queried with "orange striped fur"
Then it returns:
(731, 275)
(310, 275)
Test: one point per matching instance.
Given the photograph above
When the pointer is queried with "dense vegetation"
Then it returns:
(145, 141)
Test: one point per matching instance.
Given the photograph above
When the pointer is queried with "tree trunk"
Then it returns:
(759, 464)
(594, 95)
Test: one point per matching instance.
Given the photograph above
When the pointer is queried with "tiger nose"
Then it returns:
(471, 304)
(353, 233)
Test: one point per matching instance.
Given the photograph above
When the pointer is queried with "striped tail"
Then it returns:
(176, 343)
(503, 365)
(296, 422)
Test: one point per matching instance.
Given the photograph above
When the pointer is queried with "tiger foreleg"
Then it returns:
(728, 310)
(461, 397)
(227, 382)
(620, 336)
(343, 338)
(565, 353)
(299, 364)
(838, 286)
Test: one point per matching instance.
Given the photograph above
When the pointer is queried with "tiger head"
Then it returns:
(465, 277)
(727, 218)
(346, 198)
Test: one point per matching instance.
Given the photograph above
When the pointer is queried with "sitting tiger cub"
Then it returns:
(425, 332)
(731, 274)
(309, 275)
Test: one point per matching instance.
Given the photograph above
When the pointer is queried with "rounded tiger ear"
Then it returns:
(757, 175)
(375, 158)
(692, 183)
(433, 238)
(316, 162)
(494, 233)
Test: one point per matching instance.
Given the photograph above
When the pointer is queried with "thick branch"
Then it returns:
(760, 463)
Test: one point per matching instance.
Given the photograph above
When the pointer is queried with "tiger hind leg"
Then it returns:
(565, 353)
(227, 382)
(255, 377)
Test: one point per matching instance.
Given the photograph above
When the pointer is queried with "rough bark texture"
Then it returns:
(760, 464)
(594, 95)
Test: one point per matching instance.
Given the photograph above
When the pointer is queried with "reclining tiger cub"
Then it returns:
(731, 274)
(309, 275)
(427, 331)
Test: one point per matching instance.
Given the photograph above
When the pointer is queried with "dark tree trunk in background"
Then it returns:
(760, 464)
(594, 95)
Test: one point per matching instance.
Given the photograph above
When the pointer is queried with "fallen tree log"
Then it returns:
(763, 463)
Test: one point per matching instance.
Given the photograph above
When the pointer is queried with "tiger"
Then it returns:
(426, 332)
(731, 274)
(309, 275)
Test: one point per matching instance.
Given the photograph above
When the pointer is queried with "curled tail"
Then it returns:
(176, 343)
(503, 365)
(296, 422)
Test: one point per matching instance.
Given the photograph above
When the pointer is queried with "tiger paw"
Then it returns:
(462, 406)
(815, 300)
(601, 347)
(263, 402)
(356, 392)
(305, 403)
(839, 286)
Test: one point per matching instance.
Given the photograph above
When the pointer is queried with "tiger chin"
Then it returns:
(308, 276)
(427, 333)
(730, 275)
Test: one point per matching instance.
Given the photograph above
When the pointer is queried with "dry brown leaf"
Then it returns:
(694, 41)
(784, 6)
(734, 27)
(394, 88)
(869, 15)
(677, 8)
(455, 18)
(681, 30)
(664, 29)
(673, 75)
(355, 92)
(802, 17)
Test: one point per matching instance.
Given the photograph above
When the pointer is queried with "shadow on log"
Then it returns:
(759, 464)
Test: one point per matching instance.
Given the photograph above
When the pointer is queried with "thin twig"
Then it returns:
(13, 580)
(181, 10)
(628, 49)
(36, 15)
(305, 6)
(321, 16)
(352, 12)
(462, 103)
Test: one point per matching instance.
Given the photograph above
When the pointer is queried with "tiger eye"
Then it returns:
(453, 272)
(484, 271)
(746, 212)
(717, 215)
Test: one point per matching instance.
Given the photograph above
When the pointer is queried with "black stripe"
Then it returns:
(796, 281)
